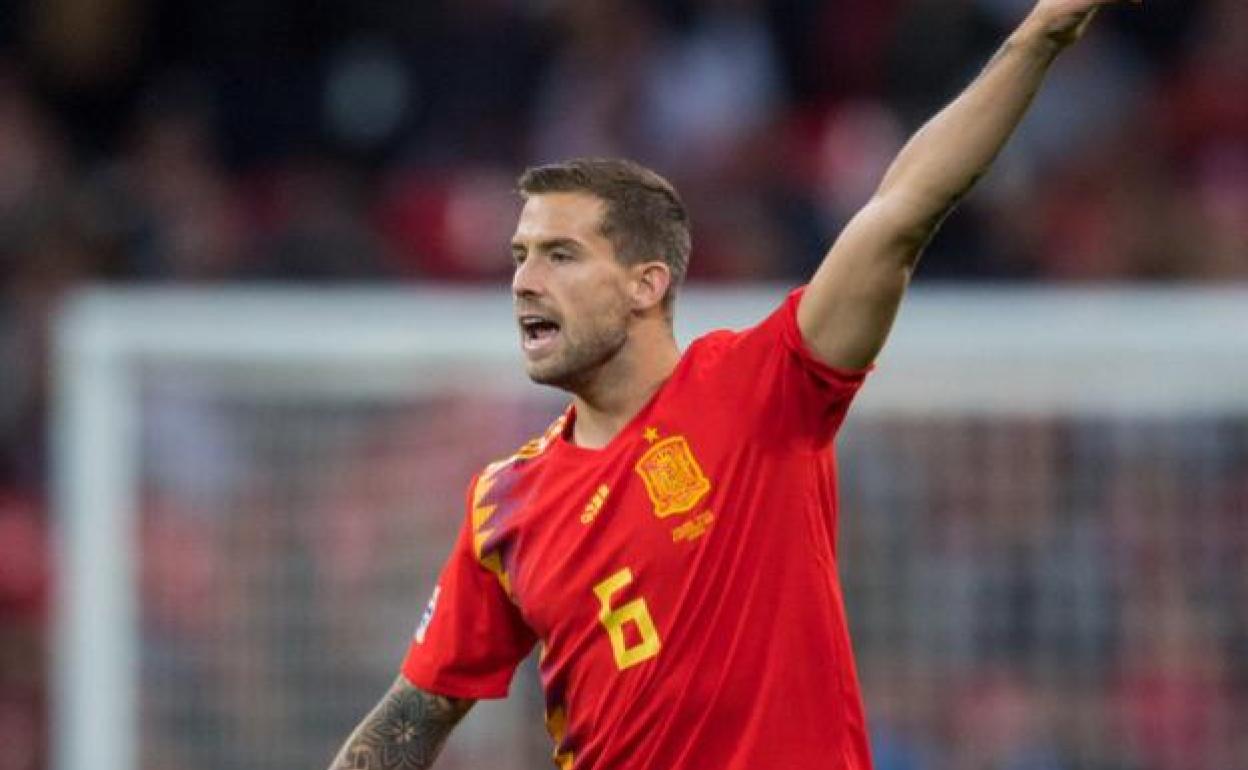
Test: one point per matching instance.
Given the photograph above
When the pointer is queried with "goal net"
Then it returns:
(1044, 522)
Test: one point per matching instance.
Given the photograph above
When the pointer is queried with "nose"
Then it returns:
(526, 280)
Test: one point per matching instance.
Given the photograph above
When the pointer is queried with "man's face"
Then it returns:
(570, 292)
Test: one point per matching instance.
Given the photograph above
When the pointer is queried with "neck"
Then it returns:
(622, 386)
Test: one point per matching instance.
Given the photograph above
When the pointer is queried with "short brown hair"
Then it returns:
(645, 218)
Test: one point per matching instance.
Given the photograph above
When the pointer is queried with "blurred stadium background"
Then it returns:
(1030, 591)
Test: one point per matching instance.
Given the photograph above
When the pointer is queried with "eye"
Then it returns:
(517, 258)
(560, 256)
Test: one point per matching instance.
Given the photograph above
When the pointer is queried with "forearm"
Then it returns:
(852, 299)
(945, 158)
(405, 731)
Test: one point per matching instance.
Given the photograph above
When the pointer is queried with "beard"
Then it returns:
(583, 352)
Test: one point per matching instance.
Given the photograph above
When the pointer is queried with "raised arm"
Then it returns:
(849, 307)
(405, 731)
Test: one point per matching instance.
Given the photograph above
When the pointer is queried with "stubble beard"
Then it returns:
(574, 368)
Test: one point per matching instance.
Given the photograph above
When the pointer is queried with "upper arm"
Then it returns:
(848, 308)
(473, 634)
(790, 393)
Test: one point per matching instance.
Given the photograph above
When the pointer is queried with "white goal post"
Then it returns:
(988, 352)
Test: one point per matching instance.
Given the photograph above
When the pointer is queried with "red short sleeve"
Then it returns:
(772, 372)
(838, 383)
(471, 637)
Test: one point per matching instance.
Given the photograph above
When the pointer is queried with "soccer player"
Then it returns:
(670, 541)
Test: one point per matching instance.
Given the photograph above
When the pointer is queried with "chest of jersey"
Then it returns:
(613, 556)
(596, 532)
(635, 565)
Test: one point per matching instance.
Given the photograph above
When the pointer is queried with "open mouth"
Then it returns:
(537, 333)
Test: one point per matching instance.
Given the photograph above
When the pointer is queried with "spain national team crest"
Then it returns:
(674, 480)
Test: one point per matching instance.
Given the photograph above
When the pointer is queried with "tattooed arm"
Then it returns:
(405, 731)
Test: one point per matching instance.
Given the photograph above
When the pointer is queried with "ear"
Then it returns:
(649, 285)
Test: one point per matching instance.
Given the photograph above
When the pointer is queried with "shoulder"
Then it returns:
(531, 450)
(769, 336)
(711, 345)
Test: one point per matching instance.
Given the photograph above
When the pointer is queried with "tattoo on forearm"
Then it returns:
(404, 732)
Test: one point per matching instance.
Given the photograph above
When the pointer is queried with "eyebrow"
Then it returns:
(551, 243)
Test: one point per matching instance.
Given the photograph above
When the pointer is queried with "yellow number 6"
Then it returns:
(614, 619)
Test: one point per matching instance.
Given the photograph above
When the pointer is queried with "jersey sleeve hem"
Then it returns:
(451, 686)
(849, 379)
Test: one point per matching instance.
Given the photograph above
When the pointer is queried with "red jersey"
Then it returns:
(682, 580)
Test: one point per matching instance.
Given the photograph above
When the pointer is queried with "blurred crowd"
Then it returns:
(192, 143)
(1050, 594)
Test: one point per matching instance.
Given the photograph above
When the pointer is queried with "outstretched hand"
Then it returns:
(1064, 21)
